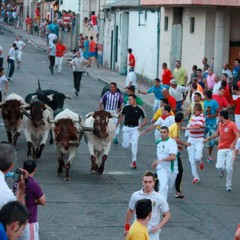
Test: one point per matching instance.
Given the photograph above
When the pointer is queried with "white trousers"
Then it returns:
(237, 120)
(156, 105)
(154, 236)
(195, 154)
(225, 162)
(130, 135)
(59, 62)
(19, 56)
(166, 181)
(31, 232)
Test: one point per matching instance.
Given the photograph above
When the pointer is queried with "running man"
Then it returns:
(20, 46)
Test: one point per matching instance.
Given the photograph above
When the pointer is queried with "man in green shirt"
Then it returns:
(131, 90)
(180, 74)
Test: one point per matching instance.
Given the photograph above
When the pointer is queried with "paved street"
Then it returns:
(93, 207)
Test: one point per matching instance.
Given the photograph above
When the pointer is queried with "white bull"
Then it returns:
(36, 127)
(12, 116)
(99, 141)
(67, 134)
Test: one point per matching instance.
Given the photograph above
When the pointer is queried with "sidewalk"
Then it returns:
(102, 74)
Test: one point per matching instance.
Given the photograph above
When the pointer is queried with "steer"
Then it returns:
(99, 141)
(54, 99)
(36, 127)
(67, 133)
(12, 116)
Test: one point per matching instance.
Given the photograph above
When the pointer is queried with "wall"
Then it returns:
(193, 44)
(235, 25)
(69, 5)
(143, 41)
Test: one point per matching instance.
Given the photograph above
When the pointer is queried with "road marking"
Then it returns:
(117, 173)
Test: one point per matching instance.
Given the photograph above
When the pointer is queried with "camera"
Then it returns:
(18, 174)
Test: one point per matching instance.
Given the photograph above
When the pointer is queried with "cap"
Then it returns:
(173, 81)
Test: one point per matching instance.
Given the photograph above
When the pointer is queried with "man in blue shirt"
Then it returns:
(157, 90)
(236, 71)
(13, 220)
(211, 109)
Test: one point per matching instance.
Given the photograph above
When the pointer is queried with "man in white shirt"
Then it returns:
(228, 72)
(52, 55)
(217, 84)
(1, 56)
(3, 80)
(20, 46)
(77, 64)
(177, 92)
(167, 119)
(8, 158)
(11, 60)
(131, 78)
(166, 163)
(160, 209)
(51, 37)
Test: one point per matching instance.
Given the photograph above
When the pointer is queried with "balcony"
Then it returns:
(229, 3)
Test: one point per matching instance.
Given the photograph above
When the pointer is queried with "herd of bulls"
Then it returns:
(42, 114)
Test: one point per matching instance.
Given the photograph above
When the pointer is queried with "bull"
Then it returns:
(67, 133)
(12, 116)
(54, 99)
(99, 141)
(36, 127)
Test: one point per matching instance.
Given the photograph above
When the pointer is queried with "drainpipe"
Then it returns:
(158, 40)
(114, 43)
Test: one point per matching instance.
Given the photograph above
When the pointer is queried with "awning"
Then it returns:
(120, 3)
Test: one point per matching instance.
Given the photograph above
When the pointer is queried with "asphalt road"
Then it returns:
(93, 207)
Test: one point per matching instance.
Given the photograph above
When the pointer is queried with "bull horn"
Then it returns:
(89, 129)
(26, 114)
(116, 115)
(2, 103)
(66, 96)
(51, 121)
(25, 106)
(89, 114)
(47, 107)
(50, 97)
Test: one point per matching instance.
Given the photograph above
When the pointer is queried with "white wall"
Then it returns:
(165, 39)
(143, 41)
(67, 5)
(193, 44)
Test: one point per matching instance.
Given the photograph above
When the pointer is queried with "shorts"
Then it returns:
(92, 54)
(31, 231)
(210, 129)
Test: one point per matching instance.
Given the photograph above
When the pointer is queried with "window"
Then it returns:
(192, 24)
(166, 24)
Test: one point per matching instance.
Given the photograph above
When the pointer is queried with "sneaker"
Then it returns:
(76, 93)
(201, 165)
(133, 165)
(179, 195)
(220, 173)
(115, 141)
(195, 180)
(229, 189)
(209, 159)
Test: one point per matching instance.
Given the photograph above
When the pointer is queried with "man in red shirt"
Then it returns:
(222, 101)
(94, 22)
(236, 101)
(60, 51)
(92, 52)
(228, 135)
(171, 100)
(166, 74)
(131, 59)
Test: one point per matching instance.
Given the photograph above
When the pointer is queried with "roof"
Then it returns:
(232, 3)
(121, 3)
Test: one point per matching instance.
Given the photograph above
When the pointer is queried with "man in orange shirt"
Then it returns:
(228, 134)
(131, 59)
(166, 74)
(92, 52)
(60, 51)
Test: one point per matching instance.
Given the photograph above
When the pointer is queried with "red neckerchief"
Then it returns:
(164, 117)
